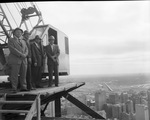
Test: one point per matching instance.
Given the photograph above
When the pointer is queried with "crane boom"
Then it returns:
(5, 25)
(25, 13)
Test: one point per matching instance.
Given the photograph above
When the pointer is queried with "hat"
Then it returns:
(17, 29)
(26, 32)
(51, 37)
(37, 37)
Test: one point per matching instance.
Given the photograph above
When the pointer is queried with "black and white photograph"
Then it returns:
(75, 60)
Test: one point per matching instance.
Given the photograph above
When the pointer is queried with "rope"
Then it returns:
(30, 23)
(11, 15)
(17, 9)
(18, 6)
(23, 5)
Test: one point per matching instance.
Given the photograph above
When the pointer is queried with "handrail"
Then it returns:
(35, 108)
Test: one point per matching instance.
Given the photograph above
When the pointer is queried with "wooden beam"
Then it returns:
(57, 107)
(14, 111)
(83, 107)
(16, 102)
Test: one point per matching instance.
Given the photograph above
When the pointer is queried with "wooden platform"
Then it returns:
(23, 102)
(45, 90)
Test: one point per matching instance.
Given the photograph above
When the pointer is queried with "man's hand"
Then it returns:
(35, 64)
(23, 56)
(29, 60)
(53, 58)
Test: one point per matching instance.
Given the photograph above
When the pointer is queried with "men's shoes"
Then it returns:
(50, 85)
(14, 91)
(39, 86)
(32, 88)
(24, 90)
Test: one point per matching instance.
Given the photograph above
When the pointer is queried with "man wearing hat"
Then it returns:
(17, 60)
(37, 61)
(52, 51)
(26, 35)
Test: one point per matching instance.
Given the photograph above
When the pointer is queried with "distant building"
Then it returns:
(102, 113)
(125, 116)
(133, 116)
(123, 107)
(100, 99)
(141, 112)
(108, 109)
(116, 111)
(114, 98)
(124, 97)
(129, 106)
(148, 95)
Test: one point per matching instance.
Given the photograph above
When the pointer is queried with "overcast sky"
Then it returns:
(105, 37)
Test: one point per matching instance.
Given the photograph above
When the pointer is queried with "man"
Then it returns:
(28, 75)
(52, 51)
(17, 60)
(37, 61)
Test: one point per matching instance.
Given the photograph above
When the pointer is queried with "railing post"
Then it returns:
(3, 98)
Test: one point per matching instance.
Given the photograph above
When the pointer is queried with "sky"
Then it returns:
(105, 37)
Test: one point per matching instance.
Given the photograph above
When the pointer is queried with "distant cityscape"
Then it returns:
(127, 105)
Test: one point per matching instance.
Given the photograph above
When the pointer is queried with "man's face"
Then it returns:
(51, 41)
(26, 36)
(38, 40)
(18, 33)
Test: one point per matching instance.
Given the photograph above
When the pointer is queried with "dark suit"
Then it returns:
(28, 75)
(53, 65)
(18, 62)
(37, 57)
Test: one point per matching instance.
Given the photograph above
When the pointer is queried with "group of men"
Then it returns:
(26, 61)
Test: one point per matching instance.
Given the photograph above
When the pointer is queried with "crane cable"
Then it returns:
(18, 6)
(11, 15)
(23, 5)
(17, 9)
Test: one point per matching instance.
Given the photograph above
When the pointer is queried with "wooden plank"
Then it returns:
(44, 91)
(65, 118)
(52, 90)
(14, 111)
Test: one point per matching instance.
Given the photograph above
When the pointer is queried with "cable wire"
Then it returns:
(17, 9)
(18, 6)
(23, 5)
(11, 15)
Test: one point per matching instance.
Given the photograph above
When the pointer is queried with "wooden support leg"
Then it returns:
(57, 107)
(38, 108)
(83, 107)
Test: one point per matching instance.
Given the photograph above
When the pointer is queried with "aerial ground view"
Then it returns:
(125, 89)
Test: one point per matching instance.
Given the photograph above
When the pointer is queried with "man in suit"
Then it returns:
(26, 35)
(37, 61)
(52, 51)
(17, 60)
